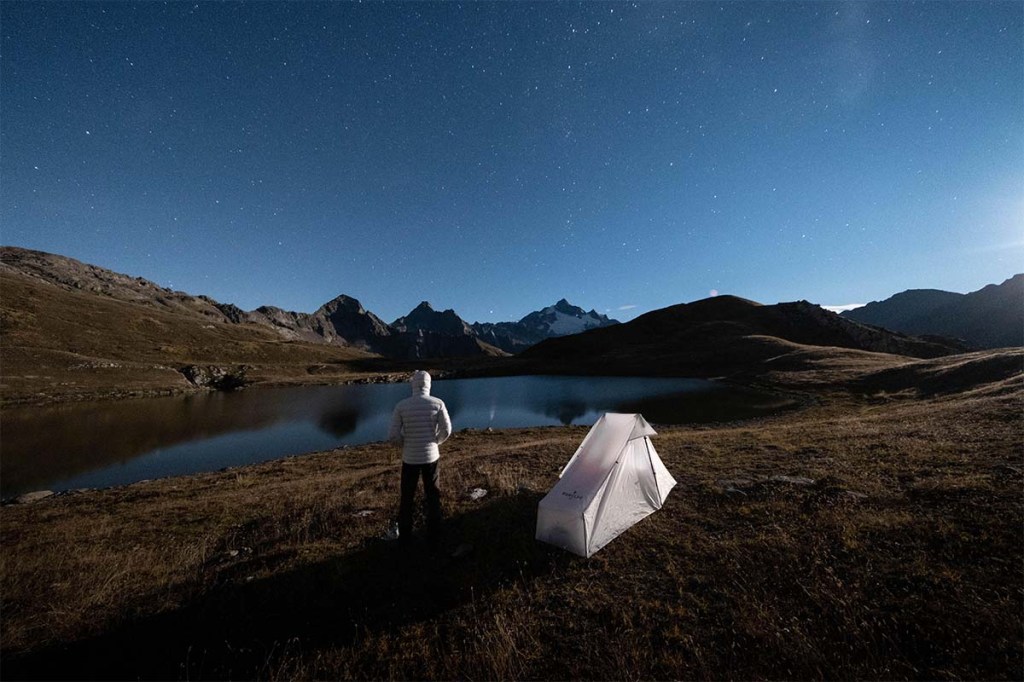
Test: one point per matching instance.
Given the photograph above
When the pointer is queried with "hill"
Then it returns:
(719, 335)
(992, 317)
(62, 341)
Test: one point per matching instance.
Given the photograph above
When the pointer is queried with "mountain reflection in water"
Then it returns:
(111, 443)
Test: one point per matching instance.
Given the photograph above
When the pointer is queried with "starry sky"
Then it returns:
(496, 157)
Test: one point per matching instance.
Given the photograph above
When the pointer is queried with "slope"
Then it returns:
(992, 317)
(718, 335)
(57, 339)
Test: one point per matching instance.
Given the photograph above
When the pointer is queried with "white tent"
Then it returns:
(615, 479)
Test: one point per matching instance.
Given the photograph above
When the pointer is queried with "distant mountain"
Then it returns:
(908, 304)
(426, 332)
(716, 335)
(561, 319)
(992, 317)
(425, 318)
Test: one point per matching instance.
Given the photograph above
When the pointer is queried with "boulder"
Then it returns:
(214, 377)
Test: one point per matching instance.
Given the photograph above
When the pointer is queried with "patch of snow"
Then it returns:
(843, 308)
(563, 324)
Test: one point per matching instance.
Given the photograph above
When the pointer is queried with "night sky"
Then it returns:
(495, 157)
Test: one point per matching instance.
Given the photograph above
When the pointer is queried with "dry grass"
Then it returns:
(902, 560)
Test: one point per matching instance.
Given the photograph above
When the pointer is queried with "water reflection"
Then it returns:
(109, 443)
(339, 422)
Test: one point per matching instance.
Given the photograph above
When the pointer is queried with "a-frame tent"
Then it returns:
(614, 480)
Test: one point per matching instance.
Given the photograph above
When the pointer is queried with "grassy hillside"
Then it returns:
(898, 557)
(65, 342)
(721, 335)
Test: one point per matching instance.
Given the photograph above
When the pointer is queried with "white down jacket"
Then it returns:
(420, 423)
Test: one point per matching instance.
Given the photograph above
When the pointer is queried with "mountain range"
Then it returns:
(343, 321)
(70, 328)
(992, 317)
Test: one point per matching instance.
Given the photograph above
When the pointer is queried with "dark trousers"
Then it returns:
(411, 473)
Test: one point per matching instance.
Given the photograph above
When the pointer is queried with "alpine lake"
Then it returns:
(108, 443)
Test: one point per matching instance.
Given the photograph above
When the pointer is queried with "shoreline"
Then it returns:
(789, 401)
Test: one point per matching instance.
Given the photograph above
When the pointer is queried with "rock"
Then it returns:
(853, 495)
(217, 378)
(476, 494)
(792, 480)
(734, 485)
(35, 496)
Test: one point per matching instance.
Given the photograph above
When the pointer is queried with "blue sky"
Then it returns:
(496, 157)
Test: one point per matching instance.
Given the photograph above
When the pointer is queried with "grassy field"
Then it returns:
(901, 559)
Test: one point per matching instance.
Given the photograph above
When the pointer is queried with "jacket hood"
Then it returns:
(420, 383)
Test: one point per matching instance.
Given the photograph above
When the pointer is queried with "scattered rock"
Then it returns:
(35, 496)
(96, 364)
(476, 494)
(792, 480)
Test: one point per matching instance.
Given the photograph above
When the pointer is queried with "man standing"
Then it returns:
(420, 424)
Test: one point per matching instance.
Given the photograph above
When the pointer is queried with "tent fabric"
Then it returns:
(614, 480)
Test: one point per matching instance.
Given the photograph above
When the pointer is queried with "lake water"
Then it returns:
(90, 445)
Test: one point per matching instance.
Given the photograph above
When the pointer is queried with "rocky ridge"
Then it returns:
(343, 321)
(992, 317)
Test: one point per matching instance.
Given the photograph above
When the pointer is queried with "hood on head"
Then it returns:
(420, 382)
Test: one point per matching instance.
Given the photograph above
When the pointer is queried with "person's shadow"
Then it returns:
(237, 629)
